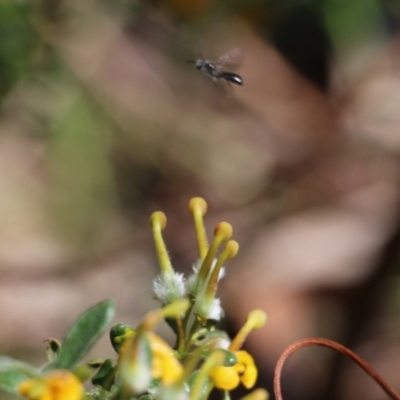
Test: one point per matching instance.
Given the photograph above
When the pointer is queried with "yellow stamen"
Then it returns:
(173, 310)
(158, 222)
(230, 251)
(198, 208)
(255, 320)
(222, 233)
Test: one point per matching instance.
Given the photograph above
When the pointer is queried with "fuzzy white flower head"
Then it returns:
(209, 310)
(169, 287)
(222, 343)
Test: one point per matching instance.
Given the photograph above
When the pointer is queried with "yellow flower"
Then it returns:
(244, 371)
(165, 366)
(57, 385)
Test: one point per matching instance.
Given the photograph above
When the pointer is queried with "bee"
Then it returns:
(216, 71)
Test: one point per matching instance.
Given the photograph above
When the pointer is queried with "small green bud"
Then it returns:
(119, 333)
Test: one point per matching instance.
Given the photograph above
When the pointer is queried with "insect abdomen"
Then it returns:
(233, 78)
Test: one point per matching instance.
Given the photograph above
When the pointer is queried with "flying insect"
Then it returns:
(216, 71)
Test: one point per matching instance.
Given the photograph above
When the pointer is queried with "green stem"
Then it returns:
(192, 332)
(216, 358)
(181, 336)
(187, 315)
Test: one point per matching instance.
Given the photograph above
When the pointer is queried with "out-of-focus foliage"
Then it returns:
(102, 120)
(18, 42)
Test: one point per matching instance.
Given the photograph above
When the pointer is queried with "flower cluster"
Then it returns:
(145, 366)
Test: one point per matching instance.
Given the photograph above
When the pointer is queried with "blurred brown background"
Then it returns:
(102, 121)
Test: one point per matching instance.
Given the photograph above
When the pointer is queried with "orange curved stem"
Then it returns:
(335, 346)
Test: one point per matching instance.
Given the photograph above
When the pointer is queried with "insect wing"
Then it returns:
(231, 59)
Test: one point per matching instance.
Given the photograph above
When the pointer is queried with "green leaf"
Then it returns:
(13, 372)
(83, 335)
(105, 376)
(86, 370)
(173, 325)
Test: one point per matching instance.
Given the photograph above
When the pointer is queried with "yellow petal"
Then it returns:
(172, 370)
(225, 378)
(58, 385)
(247, 369)
(165, 365)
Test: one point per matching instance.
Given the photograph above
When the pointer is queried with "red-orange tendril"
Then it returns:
(335, 346)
